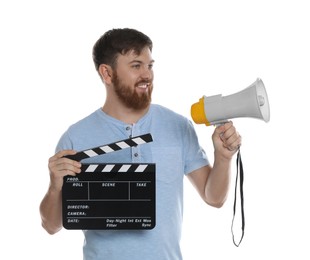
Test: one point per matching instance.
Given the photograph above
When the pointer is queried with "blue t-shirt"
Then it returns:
(174, 150)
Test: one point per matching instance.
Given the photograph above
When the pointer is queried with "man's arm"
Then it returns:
(51, 205)
(212, 183)
(51, 211)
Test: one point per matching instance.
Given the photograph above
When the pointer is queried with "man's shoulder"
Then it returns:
(86, 121)
(81, 134)
(165, 112)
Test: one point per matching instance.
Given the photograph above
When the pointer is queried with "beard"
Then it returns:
(130, 98)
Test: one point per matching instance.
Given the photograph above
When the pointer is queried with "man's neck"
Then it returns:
(124, 114)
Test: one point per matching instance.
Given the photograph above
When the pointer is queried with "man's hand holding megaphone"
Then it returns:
(226, 140)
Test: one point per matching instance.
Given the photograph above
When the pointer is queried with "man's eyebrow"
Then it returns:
(139, 61)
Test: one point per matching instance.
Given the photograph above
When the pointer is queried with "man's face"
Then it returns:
(133, 79)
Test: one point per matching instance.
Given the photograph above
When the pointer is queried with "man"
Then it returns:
(123, 59)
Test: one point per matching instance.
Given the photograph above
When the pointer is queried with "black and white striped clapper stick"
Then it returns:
(108, 148)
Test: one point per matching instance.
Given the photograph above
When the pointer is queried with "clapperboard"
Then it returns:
(110, 195)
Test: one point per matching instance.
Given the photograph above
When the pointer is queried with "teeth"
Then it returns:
(143, 86)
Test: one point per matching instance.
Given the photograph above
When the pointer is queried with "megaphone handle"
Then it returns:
(239, 169)
(219, 123)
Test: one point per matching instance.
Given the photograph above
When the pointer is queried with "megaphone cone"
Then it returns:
(251, 102)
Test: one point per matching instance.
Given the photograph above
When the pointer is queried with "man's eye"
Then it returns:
(136, 66)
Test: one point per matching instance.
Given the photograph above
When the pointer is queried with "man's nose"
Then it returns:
(147, 73)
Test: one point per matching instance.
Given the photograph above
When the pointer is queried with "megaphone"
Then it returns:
(250, 102)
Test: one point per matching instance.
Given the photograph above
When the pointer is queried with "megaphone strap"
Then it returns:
(239, 170)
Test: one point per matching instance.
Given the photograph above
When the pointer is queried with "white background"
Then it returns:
(48, 82)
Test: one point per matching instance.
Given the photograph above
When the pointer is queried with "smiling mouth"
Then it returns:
(143, 85)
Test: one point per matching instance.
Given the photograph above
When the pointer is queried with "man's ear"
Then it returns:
(105, 72)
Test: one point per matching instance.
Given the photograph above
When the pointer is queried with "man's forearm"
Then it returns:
(218, 182)
(51, 211)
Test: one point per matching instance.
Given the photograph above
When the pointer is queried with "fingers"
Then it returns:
(230, 137)
(60, 166)
(62, 154)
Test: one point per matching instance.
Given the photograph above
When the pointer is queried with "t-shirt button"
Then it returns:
(136, 155)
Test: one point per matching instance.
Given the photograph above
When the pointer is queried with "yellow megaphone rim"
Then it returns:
(198, 113)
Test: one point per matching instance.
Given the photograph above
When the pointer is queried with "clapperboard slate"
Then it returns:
(111, 195)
